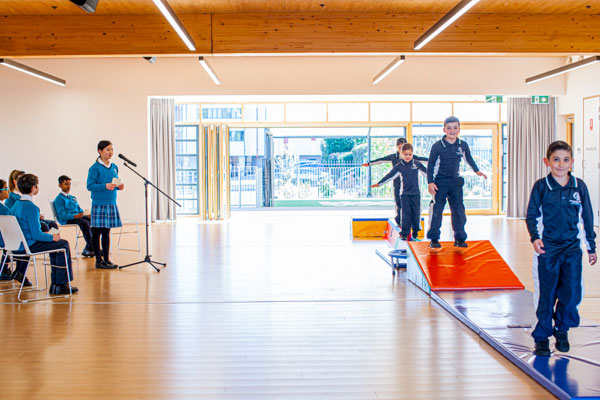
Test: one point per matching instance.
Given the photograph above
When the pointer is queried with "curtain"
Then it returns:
(531, 129)
(162, 142)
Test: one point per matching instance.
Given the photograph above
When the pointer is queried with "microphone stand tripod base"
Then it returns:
(148, 260)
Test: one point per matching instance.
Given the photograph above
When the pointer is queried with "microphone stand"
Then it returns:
(147, 258)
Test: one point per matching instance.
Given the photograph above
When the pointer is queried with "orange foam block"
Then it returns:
(478, 266)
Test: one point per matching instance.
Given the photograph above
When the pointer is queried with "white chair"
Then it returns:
(136, 231)
(78, 233)
(14, 240)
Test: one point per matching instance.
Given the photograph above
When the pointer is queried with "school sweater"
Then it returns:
(12, 199)
(28, 216)
(555, 212)
(408, 173)
(66, 207)
(394, 158)
(3, 211)
(445, 158)
(98, 176)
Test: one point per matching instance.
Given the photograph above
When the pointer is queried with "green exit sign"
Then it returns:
(540, 99)
(494, 99)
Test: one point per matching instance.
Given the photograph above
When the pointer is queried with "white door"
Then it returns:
(591, 142)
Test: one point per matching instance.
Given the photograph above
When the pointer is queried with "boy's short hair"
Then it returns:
(400, 141)
(26, 183)
(2, 183)
(63, 178)
(406, 147)
(558, 145)
(451, 119)
(11, 178)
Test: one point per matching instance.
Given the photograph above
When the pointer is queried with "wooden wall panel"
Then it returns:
(102, 35)
(99, 35)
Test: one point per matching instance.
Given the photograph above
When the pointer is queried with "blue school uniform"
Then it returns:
(3, 211)
(555, 215)
(442, 169)
(28, 217)
(410, 196)
(12, 199)
(66, 207)
(105, 213)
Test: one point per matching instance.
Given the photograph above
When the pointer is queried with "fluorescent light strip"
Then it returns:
(209, 70)
(388, 70)
(32, 71)
(170, 15)
(453, 15)
(564, 69)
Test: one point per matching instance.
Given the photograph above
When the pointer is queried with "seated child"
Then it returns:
(407, 170)
(4, 259)
(28, 216)
(14, 196)
(68, 212)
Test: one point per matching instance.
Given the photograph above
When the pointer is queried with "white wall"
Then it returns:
(50, 130)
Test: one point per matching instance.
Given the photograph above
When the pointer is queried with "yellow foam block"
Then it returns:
(369, 227)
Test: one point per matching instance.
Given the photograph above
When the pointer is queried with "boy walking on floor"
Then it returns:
(407, 170)
(557, 205)
(444, 182)
(395, 158)
(68, 211)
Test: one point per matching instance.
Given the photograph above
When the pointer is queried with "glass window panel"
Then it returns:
(390, 111)
(476, 112)
(298, 112)
(186, 162)
(503, 112)
(431, 111)
(263, 112)
(186, 177)
(389, 131)
(187, 112)
(186, 191)
(188, 207)
(182, 147)
(186, 132)
(348, 112)
(221, 112)
(477, 192)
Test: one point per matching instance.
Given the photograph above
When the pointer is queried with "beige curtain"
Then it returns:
(531, 129)
(162, 142)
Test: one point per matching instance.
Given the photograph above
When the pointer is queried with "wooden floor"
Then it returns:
(270, 305)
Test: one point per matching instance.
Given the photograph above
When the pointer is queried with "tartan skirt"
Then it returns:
(105, 216)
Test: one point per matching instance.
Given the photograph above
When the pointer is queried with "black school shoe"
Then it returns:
(6, 274)
(87, 252)
(62, 289)
(562, 341)
(435, 244)
(460, 243)
(104, 265)
(542, 348)
(18, 276)
(111, 264)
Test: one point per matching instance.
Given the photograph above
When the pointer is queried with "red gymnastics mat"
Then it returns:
(476, 267)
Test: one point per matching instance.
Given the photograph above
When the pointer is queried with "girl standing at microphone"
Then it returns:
(105, 214)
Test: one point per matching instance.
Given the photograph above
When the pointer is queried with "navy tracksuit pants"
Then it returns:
(58, 275)
(558, 292)
(411, 214)
(452, 189)
(398, 201)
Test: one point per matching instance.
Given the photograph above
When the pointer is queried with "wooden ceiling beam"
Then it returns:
(105, 35)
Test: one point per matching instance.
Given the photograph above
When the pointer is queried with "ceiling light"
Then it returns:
(209, 70)
(438, 27)
(87, 5)
(151, 60)
(564, 69)
(170, 15)
(387, 70)
(32, 71)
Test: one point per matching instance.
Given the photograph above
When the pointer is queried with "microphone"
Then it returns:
(122, 157)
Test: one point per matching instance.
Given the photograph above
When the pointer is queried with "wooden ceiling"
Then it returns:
(58, 28)
(141, 7)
